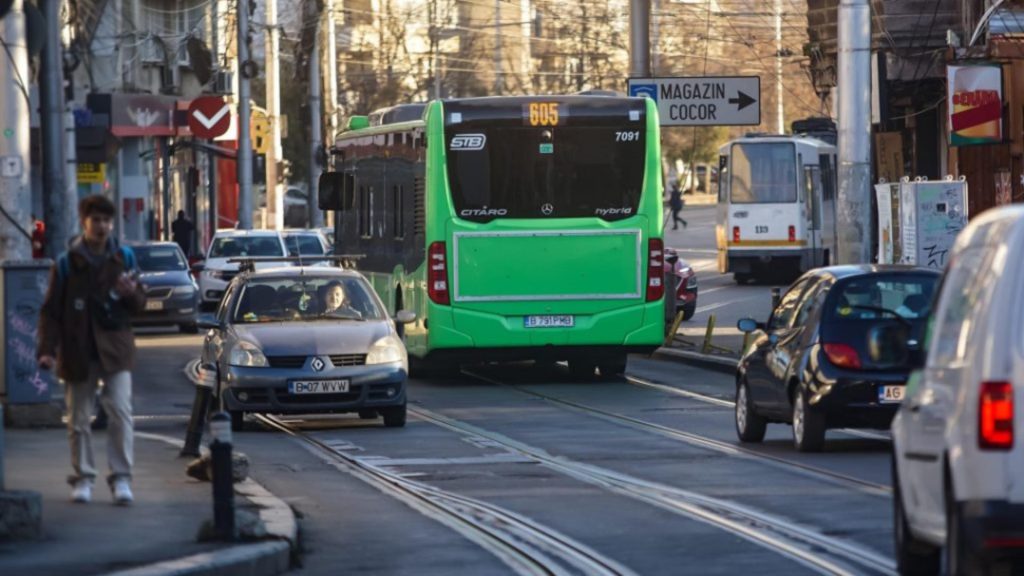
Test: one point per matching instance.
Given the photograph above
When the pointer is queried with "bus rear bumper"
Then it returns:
(754, 261)
(541, 353)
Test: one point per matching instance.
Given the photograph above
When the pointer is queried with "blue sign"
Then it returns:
(648, 90)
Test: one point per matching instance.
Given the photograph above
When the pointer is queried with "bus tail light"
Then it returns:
(842, 355)
(995, 416)
(655, 269)
(437, 273)
(792, 233)
(735, 233)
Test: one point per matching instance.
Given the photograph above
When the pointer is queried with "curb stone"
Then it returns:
(706, 361)
(267, 558)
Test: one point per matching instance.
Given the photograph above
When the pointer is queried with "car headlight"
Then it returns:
(692, 282)
(388, 350)
(186, 290)
(247, 354)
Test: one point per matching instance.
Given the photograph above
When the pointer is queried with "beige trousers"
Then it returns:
(116, 399)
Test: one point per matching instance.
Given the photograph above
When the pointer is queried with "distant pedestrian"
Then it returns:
(181, 233)
(38, 237)
(675, 202)
(85, 332)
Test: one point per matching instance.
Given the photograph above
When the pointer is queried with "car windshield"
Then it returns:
(241, 246)
(159, 258)
(306, 298)
(303, 245)
(879, 297)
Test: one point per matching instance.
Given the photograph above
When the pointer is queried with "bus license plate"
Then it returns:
(318, 387)
(890, 394)
(565, 321)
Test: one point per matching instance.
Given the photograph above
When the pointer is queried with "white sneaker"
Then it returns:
(122, 492)
(81, 492)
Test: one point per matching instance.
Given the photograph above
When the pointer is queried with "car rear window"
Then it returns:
(304, 245)
(235, 246)
(878, 297)
(159, 258)
(305, 298)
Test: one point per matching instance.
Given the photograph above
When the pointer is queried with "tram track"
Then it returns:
(705, 442)
(527, 547)
(807, 546)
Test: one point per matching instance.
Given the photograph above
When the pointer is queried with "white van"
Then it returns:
(958, 473)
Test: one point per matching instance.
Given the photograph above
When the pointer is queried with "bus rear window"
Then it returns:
(763, 173)
(509, 171)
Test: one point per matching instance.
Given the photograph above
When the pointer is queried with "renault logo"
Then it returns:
(547, 209)
(318, 364)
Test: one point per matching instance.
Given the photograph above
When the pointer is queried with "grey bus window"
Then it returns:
(763, 173)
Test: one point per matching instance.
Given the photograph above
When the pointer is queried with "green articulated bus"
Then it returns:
(514, 227)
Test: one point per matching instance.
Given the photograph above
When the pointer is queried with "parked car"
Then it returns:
(958, 469)
(215, 270)
(303, 242)
(684, 283)
(810, 366)
(281, 343)
(172, 296)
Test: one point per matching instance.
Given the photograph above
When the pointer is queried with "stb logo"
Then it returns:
(468, 142)
(641, 90)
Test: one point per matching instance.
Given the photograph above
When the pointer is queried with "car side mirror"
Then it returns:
(748, 325)
(198, 266)
(671, 258)
(208, 322)
(891, 345)
(405, 317)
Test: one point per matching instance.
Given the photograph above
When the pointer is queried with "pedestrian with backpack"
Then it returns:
(85, 333)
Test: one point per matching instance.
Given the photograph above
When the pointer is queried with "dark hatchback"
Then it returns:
(822, 360)
(172, 296)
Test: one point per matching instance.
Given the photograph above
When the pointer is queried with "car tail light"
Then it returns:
(1006, 542)
(437, 273)
(655, 269)
(792, 233)
(735, 233)
(842, 355)
(995, 416)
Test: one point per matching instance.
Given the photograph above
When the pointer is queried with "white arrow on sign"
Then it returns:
(209, 123)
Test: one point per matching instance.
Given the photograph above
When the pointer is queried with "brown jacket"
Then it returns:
(71, 307)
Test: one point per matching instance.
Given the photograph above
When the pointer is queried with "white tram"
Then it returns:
(776, 205)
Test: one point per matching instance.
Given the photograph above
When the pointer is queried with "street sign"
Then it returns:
(90, 173)
(260, 132)
(703, 100)
(209, 117)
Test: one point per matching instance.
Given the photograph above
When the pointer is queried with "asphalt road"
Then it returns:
(718, 294)
(517, 469)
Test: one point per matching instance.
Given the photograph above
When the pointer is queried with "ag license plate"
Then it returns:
(318, 387)
(890, 394)
(154, 305)
(564, 321)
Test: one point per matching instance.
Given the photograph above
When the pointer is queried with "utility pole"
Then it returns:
(435, 45)
(499, 81)
(51, 117)
(655, 37)
(316, 216)
(780, 109)
(854, 86)
(275, 200)
(15, 191)
(244, 161)
(332, 72)
(70, 175)
(640, 38)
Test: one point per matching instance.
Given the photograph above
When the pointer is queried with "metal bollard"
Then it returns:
(223, 481)
(708, 334)
(200, 408)
(776, 298)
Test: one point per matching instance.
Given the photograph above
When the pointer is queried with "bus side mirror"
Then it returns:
(335, 191)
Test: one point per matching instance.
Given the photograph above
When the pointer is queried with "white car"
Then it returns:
(216, 271)
(958, 472)
(306, 242)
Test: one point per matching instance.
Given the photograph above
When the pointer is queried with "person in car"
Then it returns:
(335, 301)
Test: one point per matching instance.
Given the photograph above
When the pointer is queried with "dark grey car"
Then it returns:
(307, 339)
(172, 296)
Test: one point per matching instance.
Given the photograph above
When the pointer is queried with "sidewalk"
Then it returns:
(99, 537)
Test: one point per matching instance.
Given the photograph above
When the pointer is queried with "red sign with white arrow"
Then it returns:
(209, 117)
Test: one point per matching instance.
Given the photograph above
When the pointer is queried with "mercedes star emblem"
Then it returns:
(318, 364)
(547, 209)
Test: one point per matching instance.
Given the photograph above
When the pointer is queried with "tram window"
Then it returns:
(828, 182)
(763, 173)
(723, 178)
